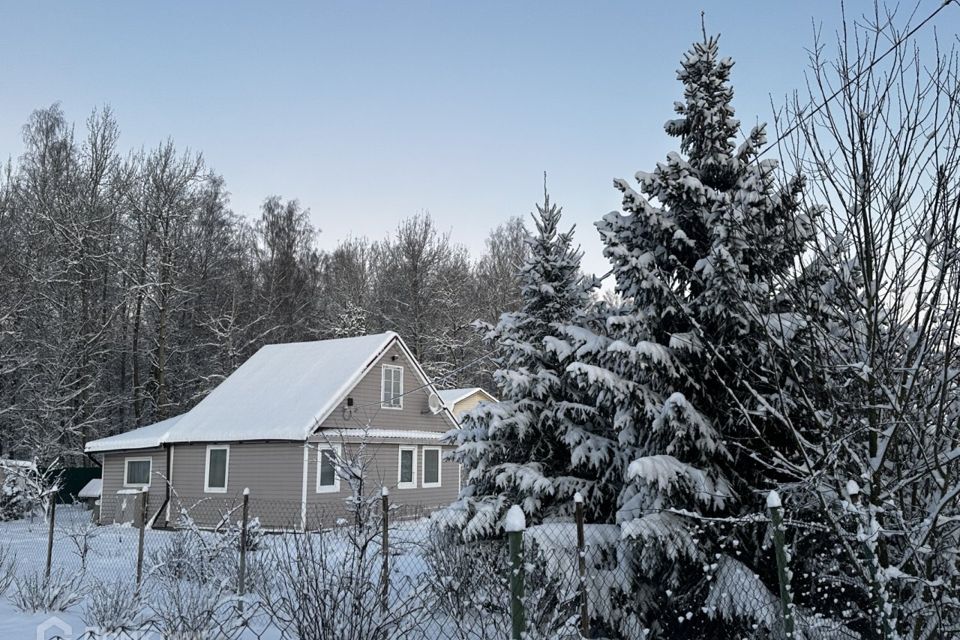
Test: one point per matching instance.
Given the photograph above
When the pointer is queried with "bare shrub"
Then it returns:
(186, 610)
(81, 535)
(467, 586)
(114, 610)
(327, 585)
(8, 566)
(37, 593)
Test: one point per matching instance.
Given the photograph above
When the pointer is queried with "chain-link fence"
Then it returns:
(403, 571)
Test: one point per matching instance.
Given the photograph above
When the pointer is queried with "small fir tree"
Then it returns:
(515, 450)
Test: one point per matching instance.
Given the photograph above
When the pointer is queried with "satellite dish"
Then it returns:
(435, 403)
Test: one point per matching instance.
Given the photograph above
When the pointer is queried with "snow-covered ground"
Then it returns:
(111, 559)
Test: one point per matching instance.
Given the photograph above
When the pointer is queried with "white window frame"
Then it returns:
(423, 467)
(335, 487)
(126, 469)
(226, 470)
(413, 468)
(383, 377)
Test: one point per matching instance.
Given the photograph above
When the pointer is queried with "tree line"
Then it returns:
(129, 288)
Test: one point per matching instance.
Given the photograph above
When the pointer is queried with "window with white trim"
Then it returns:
(136, 472)
(328, 480)
(391, 387)
(430, 475)
(218, 469)
(407, 468)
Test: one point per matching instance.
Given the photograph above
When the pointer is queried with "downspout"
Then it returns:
(166, 497)
(92, 459)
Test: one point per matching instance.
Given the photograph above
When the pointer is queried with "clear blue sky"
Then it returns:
(371, 111)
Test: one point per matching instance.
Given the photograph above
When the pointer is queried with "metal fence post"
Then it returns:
(515, 524)
(582, 567)
(783, 562)
(52, 512)
(385, 549)
(142, 521)
(869, 532)
(242, 573)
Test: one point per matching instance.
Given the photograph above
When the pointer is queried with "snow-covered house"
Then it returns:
(297, 425)
(459, 401)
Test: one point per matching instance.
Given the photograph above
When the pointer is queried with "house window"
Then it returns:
(136, 472)
(328, 480)
(431, 467)
(407, 471)
(391, 387)
(218, 467)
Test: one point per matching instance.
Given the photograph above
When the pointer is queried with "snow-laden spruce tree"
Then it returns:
(686, 368)
(515, 450)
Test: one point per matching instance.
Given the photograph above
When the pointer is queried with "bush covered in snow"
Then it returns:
(327, 585)
(114, 609)
(186, 609)
(35, 592)
(199, 556)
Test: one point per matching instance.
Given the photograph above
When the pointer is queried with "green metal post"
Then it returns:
(515, 525)
(783, 563)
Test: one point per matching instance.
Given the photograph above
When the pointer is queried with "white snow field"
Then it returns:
(111, 560)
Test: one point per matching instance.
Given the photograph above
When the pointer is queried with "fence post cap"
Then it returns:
(144, 489)
(773, 500)
(515, 520)
(578, 498)
(384, 491)
(246, 491)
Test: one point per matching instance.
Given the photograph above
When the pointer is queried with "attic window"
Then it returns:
(391, 387)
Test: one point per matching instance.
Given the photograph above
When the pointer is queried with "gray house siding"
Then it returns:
(273, 472)
(381, 462)
(117, 502)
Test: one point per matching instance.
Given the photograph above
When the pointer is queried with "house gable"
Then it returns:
(360, 407)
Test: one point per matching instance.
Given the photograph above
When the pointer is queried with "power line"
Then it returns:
(803, 117)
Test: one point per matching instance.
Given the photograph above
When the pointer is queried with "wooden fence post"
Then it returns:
(52, 512)
(582, 567)
(783, 562)
(242, 573)
(385, 549)
(142, 520)
(515, 523)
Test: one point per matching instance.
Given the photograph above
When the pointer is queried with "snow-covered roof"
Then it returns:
(92, 489)
(6, 462)
(146, 437)
(281, 393)
(450, 397)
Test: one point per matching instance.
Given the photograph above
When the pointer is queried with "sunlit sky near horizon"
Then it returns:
(368, 112)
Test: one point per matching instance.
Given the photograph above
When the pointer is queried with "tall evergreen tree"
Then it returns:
(515, 450)
(682, 376)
